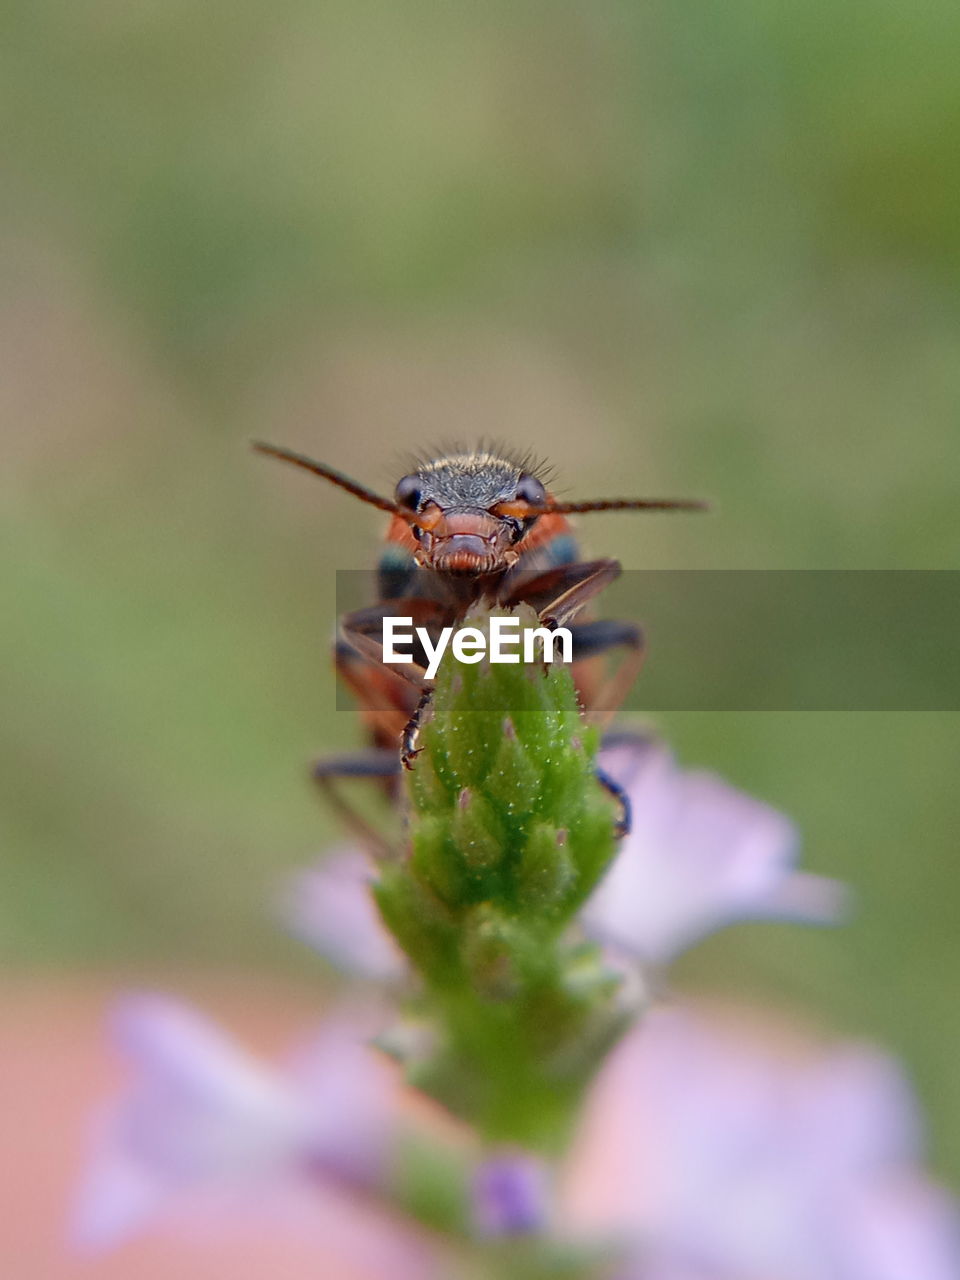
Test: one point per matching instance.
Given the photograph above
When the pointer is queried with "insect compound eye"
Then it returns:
(408, 492)
(530, 490)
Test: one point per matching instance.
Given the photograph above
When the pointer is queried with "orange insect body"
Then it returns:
(385, 701)
(470, 527)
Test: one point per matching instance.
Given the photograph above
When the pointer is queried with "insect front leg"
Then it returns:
(411, 730)
(559, 594)
(393, 698)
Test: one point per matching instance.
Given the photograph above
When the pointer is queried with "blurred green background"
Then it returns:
(704, 248)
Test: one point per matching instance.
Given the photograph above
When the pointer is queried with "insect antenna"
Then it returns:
(328, 473)
(624, 504)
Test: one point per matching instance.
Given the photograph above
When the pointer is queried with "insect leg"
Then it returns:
(411, 732)
(622, 825)
(387, 699)
(375, 762)
(641, 740)
(359, 645)
(558, 594)
(362, 631)
(592, 639)
(640, 743)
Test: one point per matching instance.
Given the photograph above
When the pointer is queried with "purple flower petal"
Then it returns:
(203, 1116)
(510, 1195)
(116, 1198)
(331, 908)
(700, 855)
(901, 1230)
(350, 1089)
(725, 1153)
(859, 1101)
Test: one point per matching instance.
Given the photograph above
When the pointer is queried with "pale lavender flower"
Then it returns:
(717, 1157)
(331, 908)
(203, 1119)
(510, 1195)
(699, 855)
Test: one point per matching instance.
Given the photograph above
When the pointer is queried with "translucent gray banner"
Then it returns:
(774, 640)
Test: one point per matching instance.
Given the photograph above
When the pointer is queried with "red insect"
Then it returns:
(469, 528)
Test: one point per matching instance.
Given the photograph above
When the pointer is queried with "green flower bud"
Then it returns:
(509, 833)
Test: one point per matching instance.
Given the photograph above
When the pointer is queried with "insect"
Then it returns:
(469, 528)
